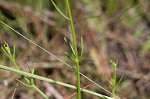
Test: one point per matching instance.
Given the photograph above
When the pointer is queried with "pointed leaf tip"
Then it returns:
(56, 7)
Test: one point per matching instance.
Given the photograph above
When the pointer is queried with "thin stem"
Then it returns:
(76, 51)
(15, 64)
(38, 90)
(14, 91)
(23, 83)
(26, 74)
(78, 80)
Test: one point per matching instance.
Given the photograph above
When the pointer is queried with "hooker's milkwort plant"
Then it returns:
(76, 59)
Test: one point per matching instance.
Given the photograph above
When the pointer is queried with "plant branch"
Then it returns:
(76, 51)
(50, 80)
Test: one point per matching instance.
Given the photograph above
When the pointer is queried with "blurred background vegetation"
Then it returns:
(118, 29)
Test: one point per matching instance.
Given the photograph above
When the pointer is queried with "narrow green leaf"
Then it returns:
(82, 47)
(69, 57)
(56, 7)
(70, 46)
(80, 59)
(112, 82)
(23, 83)
(14, 51)
(120, 80)
(33, 71)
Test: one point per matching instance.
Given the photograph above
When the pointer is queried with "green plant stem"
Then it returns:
(37, 89)
(15, 64)
(114, 80)
(76, 51)
(78, 80)
(26, 74)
